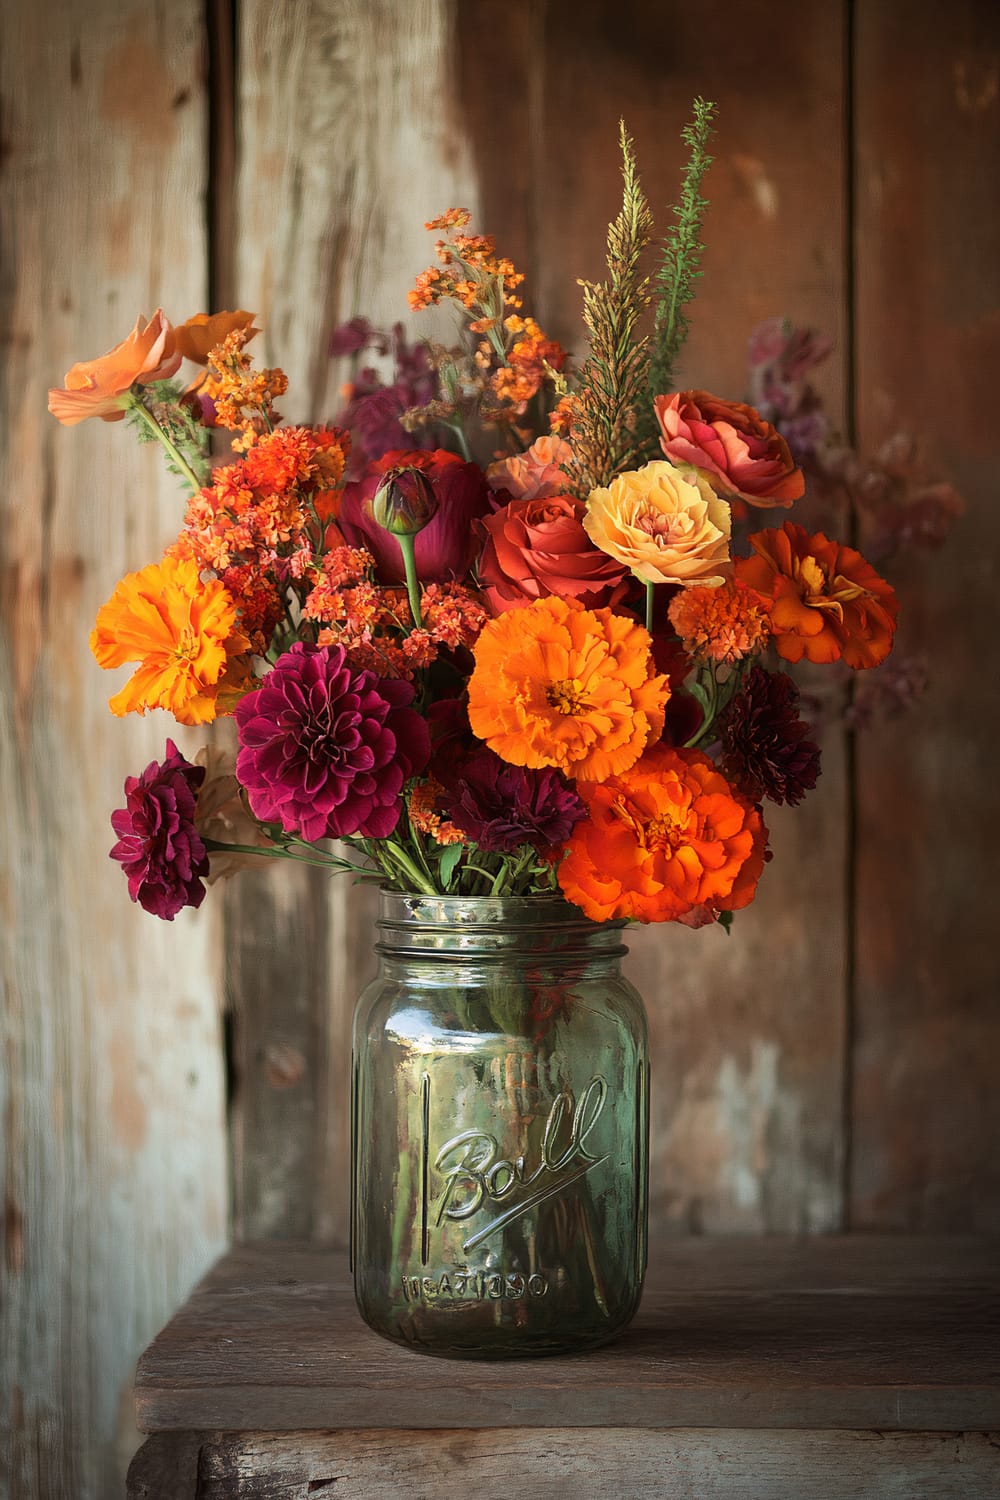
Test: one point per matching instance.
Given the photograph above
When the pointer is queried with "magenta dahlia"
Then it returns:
(159, 847)
(325, 748)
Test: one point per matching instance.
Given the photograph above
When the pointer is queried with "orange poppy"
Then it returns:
(827, 602)
(664, 839)
(197, 337)
(559, 685)
(99, 387)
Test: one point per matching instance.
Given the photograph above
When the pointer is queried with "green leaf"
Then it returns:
(725, 921)
(449, 860)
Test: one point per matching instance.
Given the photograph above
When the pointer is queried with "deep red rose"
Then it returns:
(446, 546)
(535, 548)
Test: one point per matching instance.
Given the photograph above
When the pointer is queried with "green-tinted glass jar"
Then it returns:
(500, 1126)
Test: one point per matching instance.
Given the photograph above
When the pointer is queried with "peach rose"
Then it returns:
(197, 337)
(666, 524)
(535, 548)
(732, 443)
(98, 387)
(537, 472)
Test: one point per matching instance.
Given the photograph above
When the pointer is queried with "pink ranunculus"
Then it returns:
(535, 548)
(539, 471)
(445, 547)
(730, 442)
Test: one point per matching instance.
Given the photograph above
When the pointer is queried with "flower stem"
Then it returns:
(649, 606)
(463, 441)
(330, 863)
(135, 403)
(412, 583)
(406, 864)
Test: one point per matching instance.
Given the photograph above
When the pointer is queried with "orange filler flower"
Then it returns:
(559, 685)
(724, 624)
(827, 602)
(100, 387)
(182, 632)
(664, 839)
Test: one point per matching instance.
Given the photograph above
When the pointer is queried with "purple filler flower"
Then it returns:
(325, 748)
(500, 806)
(158, 846)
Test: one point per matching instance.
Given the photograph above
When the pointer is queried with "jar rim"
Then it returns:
(408, 921)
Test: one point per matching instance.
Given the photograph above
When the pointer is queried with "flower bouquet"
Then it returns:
(491, 640)
(516, 651)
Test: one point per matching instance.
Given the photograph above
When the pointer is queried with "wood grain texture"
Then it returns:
(747, 1034)
(927, 1106)
(346, 148)
(635, 1464)
(110, 1082)
(765, 1333)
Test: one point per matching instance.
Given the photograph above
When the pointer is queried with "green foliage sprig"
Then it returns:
(679, 269)
(613, 379)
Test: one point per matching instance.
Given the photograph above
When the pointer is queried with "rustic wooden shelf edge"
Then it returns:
(724, 1464)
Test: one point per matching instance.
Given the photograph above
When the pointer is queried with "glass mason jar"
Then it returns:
(499, 1128)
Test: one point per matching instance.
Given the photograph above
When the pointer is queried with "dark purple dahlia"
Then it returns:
(500, 806)
(159, 847)
(325, 747)
(764, 745)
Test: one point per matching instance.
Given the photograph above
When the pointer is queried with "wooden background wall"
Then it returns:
(831, 1065)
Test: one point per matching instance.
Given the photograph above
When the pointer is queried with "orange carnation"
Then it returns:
(197, 337)
(665, 839)
(827, 602)
(98, 387)
(724, 624)
(559, 685)
(182, 632)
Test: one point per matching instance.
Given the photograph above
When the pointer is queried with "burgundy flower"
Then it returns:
(158, 846)
(764, 745)
(445, 547)
(325, 748)
(500, 806)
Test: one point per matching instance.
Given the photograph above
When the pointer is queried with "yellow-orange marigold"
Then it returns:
(723, 624)
(827, 603)
(181, 631)
(559, 685)
(665, 839)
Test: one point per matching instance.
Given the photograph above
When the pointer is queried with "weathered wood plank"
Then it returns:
(748, 1333)
(747, 1034)
(677, 1465)
(926, 1104)
(346, 148)
(111, 1108)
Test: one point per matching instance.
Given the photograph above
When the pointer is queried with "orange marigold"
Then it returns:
(665, 839)
(723, 624)
(827, 602)
(559, 685)
(182, 632)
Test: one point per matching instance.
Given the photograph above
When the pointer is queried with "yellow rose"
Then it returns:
(665, 523)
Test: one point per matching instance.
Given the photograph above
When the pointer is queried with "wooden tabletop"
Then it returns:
(834, 1332)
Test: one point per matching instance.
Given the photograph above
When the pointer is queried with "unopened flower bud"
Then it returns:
(404, 502)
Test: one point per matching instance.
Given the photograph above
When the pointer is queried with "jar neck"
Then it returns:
(521, 931)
